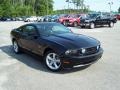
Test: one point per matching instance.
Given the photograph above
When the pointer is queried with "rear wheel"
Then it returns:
(111, 24)
(52, 61)
(16, 47)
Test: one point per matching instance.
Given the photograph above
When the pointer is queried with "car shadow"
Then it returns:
(99, 26)
(34, 61)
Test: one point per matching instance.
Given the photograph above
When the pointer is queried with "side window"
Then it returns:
(29, 30)
(19, 29)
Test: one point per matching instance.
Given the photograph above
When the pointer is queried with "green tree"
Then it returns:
(5, 7)
(119, 10)
(78, 3)
(43, 7)
(25, 7)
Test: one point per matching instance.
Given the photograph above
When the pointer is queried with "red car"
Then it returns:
(72, 20)
(62, 19)
(118, 16)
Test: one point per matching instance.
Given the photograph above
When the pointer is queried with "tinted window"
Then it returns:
(29, 29)
(20, 29)
(93, 15)
(48, 29)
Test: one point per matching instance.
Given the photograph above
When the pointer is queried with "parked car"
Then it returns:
(57, 44)
(18, 19)
(118, 16)
(62, 19)
(31, 19)
(40, 19)
(95, 19)
(58, 18)
(74, 20)
(47, 18)
(24, 17)
(54, 18)
(6, 19)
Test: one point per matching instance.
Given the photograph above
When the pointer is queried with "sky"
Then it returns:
(95, 5)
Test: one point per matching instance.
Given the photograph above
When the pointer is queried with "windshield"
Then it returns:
(54, 28)
(55, 16)
(92, 15)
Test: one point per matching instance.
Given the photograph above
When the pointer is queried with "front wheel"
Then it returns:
(52, 61)
(64, 23)
(75, 24)
(92, 26)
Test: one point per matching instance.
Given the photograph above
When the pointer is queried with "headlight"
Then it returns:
(87, 21)
(83, 50)
(71, 52)
(98, 47)
(76, 52)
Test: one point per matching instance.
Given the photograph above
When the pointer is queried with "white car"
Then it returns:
(31, 19)
(40, 19)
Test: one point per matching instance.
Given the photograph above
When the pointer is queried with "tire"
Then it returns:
(82, 26)
(75, 24)
(28, 20)
(16, 47)
(52, 61)
(111, 24)
(92, 25)
(64, 23)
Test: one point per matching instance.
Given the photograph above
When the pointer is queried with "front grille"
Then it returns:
(91, 50)
(82, 21)
(67, 21)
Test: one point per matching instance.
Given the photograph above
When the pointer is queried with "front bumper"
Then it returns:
(85, 24)
(73, 61)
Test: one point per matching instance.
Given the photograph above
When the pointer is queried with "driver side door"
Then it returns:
(28, 39)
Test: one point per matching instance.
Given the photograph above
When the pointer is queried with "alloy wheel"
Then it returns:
(53, 61)
(111, 24)
(75, 24)
(15, 47)
(92, 25)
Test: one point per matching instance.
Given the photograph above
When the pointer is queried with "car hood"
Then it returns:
(73, 41)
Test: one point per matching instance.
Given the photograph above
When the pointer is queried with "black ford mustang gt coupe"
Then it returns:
(57, 44)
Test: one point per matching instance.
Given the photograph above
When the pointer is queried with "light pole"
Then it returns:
(68, 4)
(64, 9)
(47, 11)
(110, 4)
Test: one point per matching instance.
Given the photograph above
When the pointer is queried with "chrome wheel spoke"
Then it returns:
(54, 56)
(53, 61)
(49, 58)
(15, 46)
(55, 64)
(57, 61)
